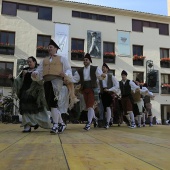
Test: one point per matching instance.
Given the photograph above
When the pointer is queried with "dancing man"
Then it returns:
(53, 70)
(87, 76)
(107, 86)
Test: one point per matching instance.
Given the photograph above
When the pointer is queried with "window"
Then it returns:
(6, 68)
(137, 50)
(163, 29)
(77, 49)
(139, 75)
(9, 8)
(93, 16)
(45, 13)
(138, 58)
(76, 14)
(108, 52)
(137, 25)
(7, 42)
(165, 83)
(42, 45)
(164, 53)
(164, 58)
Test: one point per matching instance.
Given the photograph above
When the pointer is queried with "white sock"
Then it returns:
(128, 117)
(143, 114)
(108, 114)
(132, 117)
(26, 127)
(90, 114)
(139, 119)
(55, 113)
(60, 120)
(150, 119)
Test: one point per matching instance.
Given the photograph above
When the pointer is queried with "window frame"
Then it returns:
(4, 76)
(42, 51)
(9, 49)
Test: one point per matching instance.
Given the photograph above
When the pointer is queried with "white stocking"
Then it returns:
(139, 119)
(108, 114)
(90, 114)
(150, 119)
(132, 117)
(143, 114)
(55, 113)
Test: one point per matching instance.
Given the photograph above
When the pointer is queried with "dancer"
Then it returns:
(53, 70)
(107, 86)
(87, 76)
(126, 86)
(31, 98)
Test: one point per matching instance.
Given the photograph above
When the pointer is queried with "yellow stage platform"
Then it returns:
(118, 148)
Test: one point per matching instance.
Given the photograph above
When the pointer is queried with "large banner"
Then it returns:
(124, 44)
(94, 43)
(61, 38)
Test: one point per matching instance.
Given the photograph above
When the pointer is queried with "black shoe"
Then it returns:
(54, 130)
(61, 127)
(27, 131)
(87, 127)
(111, 121)
(106, 125)
(36, 126)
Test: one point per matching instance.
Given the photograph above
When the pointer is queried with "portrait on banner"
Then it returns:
(94, 43)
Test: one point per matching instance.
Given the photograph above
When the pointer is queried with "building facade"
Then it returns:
(126, 40)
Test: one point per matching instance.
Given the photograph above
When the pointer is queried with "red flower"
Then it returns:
(110, 54)
(136, 57)
(77, 51)
(165, 59)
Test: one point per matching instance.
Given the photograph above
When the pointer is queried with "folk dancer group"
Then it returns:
(50, 86)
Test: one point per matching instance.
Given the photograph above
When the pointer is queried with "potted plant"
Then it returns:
(138, 60)
(165, 62)
(6, 45)
(109, 57)
(77, 55)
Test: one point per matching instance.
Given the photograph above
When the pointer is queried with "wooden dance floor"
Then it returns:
(118, 148)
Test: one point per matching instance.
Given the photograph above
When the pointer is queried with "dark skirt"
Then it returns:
(49, 95)
(28, 104)
(107, 100)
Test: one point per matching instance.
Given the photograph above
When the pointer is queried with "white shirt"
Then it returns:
(115, 83)
(86, 74)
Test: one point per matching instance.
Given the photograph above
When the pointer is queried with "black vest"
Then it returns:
(125, 88)
(109, 83)
(93, 81)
